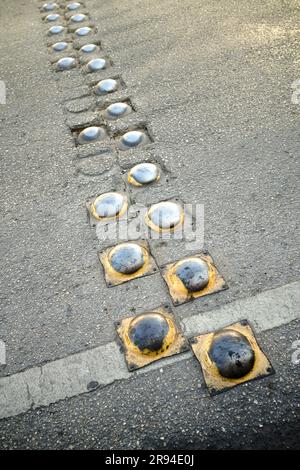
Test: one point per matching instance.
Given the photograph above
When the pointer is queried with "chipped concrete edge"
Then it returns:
(103, 365)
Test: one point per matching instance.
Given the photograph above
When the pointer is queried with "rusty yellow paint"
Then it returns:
(177, 289)
(215, 382)
(174, 342)
(114, 278)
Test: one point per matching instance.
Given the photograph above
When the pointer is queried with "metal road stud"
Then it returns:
(84, 31)
(165, 216)
(117, 110)
(149, 337)
(108, 85)
(52, 17)
(91, 134)
(230, 357)
(192, 277)
(127, 261)
(73, 6)
(49, 6)
(88, 48)
(132, 138)
(78, 18)
(95, 65)
(57, 29)
(143, 174)
(59, 46)
(109, 206)
(66, 63)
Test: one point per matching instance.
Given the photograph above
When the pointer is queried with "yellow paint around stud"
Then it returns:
(215, 382)
(177, 289)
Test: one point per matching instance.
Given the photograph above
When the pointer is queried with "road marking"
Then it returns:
(70, 376)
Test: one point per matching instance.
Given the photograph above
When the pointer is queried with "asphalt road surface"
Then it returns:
(214, 83)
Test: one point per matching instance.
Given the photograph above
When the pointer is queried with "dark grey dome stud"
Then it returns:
(193, 273)
(148, 332)
(127, 258)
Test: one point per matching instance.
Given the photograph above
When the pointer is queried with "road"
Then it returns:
(212, 83)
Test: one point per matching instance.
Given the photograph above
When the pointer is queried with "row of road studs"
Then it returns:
(228, 357)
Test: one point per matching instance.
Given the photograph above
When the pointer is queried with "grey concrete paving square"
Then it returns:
(212, 81)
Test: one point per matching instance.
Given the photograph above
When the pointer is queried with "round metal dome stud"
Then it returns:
(52, 17)
(49, 6)
(193, 273)
(109, 85)
(88, 48)
(109, 206)
(91, 134)
(232, 354)
(73, 6)
(84, 31)
(127, 258)
(165, 216)
(78, 18)
(143, 173)
(60, 46)
(117, 110)
(132, 139)
(151, 333)
(57, 29)
(95, 65)
(65, 63)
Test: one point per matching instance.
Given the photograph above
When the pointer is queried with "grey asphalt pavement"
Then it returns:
(212, 81)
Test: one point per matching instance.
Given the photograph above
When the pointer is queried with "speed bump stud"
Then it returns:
(127, 261)
(143, 174)
(84, 31)
(59, 46)
(57, 29)
(91, 134)
(109, 85)
(109, 206)
(149, 337)
(117, 110)
(95, 65)
(192, 277)
(52, 17)
(49, 6)
(73, 6)
(165, 216)
(230, 357)
(132, 139)
(88, 48)
(78, 18)
(66, 63)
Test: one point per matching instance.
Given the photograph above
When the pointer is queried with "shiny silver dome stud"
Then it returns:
(193, 273)
(143, 173)
(49, 6)
(88, 48)
(95, 65)
(126, 258)
(117, 110)
(109, 206)
(59, 46)
(56, 29)
(132, 138)
(84, 31)
(73, 6)
(78, 18)
(66, 63)
(165, 216)
(108, 85)
(91, 134)
(52, 17)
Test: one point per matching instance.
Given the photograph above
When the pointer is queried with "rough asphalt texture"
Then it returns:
(212, 81)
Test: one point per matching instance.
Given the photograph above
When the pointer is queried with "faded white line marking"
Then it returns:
(70, 376)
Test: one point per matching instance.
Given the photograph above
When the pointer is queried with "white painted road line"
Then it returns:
(70, 376)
